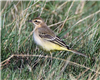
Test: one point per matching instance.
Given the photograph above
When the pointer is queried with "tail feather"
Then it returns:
(76, 52)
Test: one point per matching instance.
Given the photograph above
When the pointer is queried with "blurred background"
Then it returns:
(76, 22)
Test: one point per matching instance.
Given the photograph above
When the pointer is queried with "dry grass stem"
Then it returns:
(70, 62)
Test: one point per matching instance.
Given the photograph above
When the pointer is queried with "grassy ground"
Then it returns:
(76, 22)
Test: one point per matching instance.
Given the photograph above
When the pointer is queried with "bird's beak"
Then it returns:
(29, 20)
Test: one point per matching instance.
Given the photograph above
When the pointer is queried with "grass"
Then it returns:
(76, 22)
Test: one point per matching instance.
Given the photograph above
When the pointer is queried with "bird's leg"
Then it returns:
(51, 58)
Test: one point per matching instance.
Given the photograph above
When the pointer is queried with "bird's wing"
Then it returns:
(58, 41)
(53, 39)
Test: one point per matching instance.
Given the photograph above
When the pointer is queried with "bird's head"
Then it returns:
(37, 21)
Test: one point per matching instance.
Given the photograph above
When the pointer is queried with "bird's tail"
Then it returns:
(76, 52)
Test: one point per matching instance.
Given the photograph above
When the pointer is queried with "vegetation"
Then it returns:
(76, 22)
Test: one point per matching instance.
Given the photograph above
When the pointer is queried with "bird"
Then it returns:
(47, 39)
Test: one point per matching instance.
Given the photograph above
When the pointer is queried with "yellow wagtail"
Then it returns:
(46, 38)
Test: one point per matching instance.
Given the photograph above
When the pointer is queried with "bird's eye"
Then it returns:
(35, 21)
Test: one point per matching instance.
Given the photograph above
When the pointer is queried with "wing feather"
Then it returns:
(52, 39)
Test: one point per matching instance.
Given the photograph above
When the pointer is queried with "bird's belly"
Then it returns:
(43, 43)
(46, 44)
